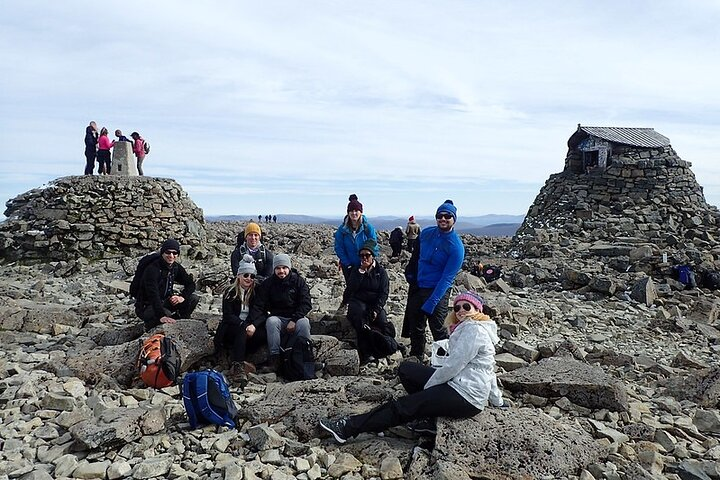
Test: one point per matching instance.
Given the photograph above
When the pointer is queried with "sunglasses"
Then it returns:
(171, 252)
(248, 275)
(365, 255)
(446, 216)
(464, 306)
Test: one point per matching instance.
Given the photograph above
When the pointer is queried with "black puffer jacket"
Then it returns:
(288, 297)
(371, 287)
(91, 139)
(157, 284)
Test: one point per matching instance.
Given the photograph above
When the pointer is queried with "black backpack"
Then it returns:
(297, 361)
(711, 280)
(491, 273)
(382, 341)
(137, 278)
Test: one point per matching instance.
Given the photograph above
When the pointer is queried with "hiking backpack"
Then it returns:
(491, 273)
(685, 275)
(159, 361)
(297, 361)
(207, 399)
(711, 280)
(137, 278)
(382, 341)
(146, 147)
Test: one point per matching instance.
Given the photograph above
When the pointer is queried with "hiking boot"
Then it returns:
(424, 426)
(367, 359)
(272, 365)
(236, 375)
(336, 428)
(249, 368)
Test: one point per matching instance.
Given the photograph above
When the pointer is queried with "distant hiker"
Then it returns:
(157, 301)
(281, 306)
(91, 141)
(430, 273)
(461, 388)
(235, 331)
(367, 291)
(103, 153)
(396, 241)
(259, 218)
(274, 218)
(248, 242)
(351, 235)
(138, 150)
(121, 137)
(412, 231)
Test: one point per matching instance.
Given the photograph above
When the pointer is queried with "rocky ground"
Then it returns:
(611, 373)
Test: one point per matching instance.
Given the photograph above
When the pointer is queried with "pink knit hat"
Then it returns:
(472, 298)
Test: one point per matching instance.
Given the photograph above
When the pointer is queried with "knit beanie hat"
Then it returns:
(472, 298)
(412, 218)
(281, 260)
(354, 204)
(369, 245)
(448, 207)
(247, 265)
(170, 244)
(252, 227)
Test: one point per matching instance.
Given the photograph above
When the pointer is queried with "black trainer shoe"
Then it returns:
(425, 426)
(335, 427)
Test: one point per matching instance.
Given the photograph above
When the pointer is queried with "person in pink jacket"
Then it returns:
(103, 153)
(138, 150)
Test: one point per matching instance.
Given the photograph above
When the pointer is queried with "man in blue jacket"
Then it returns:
(430, 274)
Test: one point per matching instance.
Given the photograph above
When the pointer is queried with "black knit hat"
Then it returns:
(369, 245)
(170, 244)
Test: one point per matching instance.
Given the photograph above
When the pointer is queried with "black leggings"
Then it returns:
(234, 338)
(103, 158)
(438, 401)
(89, 161)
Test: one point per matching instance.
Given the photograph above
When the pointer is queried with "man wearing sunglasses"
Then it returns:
(430, 274)
(157, 301)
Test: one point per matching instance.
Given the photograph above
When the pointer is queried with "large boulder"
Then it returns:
(583, 384)
(513, 443)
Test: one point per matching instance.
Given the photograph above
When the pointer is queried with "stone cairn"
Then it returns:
(98, 217)
(619, 185)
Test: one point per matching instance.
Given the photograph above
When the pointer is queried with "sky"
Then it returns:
(280, 106)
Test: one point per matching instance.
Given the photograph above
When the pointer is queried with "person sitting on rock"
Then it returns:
(351, 235)
(157, 301)
(366, 292)
(396, 241)
(281, 305)
(461, 388)
(250, 243)
(235, 332)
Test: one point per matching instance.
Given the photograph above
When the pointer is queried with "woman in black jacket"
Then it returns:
(366, 293)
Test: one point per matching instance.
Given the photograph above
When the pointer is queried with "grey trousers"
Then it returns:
(277, 328)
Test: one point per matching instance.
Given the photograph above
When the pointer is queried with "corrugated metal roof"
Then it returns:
(638, 137)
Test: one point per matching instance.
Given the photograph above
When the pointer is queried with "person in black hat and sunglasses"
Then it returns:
(157, 301)
(430, 274)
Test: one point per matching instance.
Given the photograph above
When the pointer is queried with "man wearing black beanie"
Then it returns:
(156, 301)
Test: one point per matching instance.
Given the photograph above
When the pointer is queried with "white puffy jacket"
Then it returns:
(470, 365)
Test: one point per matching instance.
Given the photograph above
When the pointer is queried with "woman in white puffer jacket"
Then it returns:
(461, 388)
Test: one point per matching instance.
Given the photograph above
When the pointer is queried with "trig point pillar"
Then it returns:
(123, 160)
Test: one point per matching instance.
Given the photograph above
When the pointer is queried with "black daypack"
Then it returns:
(491, 273)
(297, 360)
(137, 278)
(146, 147)
(711, 280)
(382, 341)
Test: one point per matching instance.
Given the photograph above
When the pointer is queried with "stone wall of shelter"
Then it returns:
(95, 216)
(646, 193)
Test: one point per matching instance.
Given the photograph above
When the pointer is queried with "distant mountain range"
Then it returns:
(484, 225)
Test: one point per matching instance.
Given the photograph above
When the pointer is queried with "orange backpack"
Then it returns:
(159, 361)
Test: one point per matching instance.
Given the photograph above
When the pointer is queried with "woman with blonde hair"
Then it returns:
(235, 332)
(460, 388)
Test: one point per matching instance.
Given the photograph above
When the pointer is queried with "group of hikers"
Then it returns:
(268, 302)
(98, 146)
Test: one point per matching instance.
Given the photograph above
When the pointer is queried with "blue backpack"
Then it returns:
(207, 399)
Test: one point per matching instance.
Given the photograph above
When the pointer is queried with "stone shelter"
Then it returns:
(618, 185)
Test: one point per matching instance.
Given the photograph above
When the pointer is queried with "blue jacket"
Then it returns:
(441, 257)
(347, 247)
